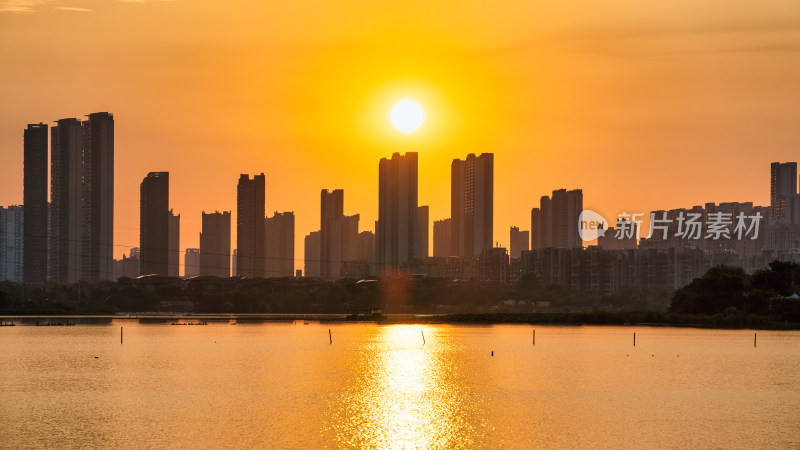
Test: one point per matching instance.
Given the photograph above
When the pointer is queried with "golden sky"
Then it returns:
(642, 104)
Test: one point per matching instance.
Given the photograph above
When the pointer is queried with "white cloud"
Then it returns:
(72, 8)
(20, 6)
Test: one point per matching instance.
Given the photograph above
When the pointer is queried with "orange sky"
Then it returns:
(643, 105)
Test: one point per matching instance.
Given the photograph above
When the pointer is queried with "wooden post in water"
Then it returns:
(120, 335)
(634, 339)
(423, 336)
(330, 337)
(755, 335)
(534, 336)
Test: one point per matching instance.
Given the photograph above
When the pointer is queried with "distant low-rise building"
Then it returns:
(191, 263)
(128, 266)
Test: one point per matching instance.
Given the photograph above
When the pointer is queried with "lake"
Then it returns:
(284, 385)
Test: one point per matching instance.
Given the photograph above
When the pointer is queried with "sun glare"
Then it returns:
(407, 116)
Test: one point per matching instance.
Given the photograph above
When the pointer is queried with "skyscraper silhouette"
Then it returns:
(397, 212)
(443, 238)
(421, 233)
(98, 197)
(331, 213)
(279, 245)
(66, 202)
(311, 249)
(555, 222)
(518, 242)
(215, 245)
(35, 204)
(338, 234)
(154, 224)
(783, 185)
(174, 244)
(250, 225)
(472, 204)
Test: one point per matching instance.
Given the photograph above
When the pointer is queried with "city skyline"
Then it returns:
(620, 100)
(553, 223)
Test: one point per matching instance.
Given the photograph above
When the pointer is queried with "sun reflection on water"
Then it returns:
(406, 394)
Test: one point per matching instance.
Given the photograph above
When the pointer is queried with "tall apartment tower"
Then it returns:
(215, 245)
(330, 217)
(365, 247)
(783, 185)
(338, 234)
(66, 207)
(397, 212)
(555, 222)
(421, 237)
(311, 251)
(34, 265)
(250, 225)
(472, 203)
(234, 261)
(174, 245)
(154, 224)
(98, 197)
(279, 245)
(542, 224)
(518, 242)
(442, 238)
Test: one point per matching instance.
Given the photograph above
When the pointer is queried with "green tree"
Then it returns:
(720, 288)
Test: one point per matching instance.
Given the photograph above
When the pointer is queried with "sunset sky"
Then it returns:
(642, 104)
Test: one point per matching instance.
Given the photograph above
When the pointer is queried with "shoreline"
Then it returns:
(637, 319)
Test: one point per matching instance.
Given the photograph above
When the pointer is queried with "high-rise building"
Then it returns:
(12, 224)
(311, 260)
(35, 203)
(365, 247)
(174, 245)
(397, 212)
(98, 197)
(191, 263)
(783, 185)
(442, 238)
(338, 234)
(154, 222)
(574, 210)
(519, 242)
(555, 222)
(559, 218)
(234, 261)
(536, 229)
(279, 245)
(421, 241)
(66, 210)
(215, 245)
(250, 225)
(472, 204)
(331, 213)
(542, 224)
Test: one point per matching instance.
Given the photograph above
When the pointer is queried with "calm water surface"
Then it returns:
(379, 386)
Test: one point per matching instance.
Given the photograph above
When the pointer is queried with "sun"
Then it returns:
(407, 116)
